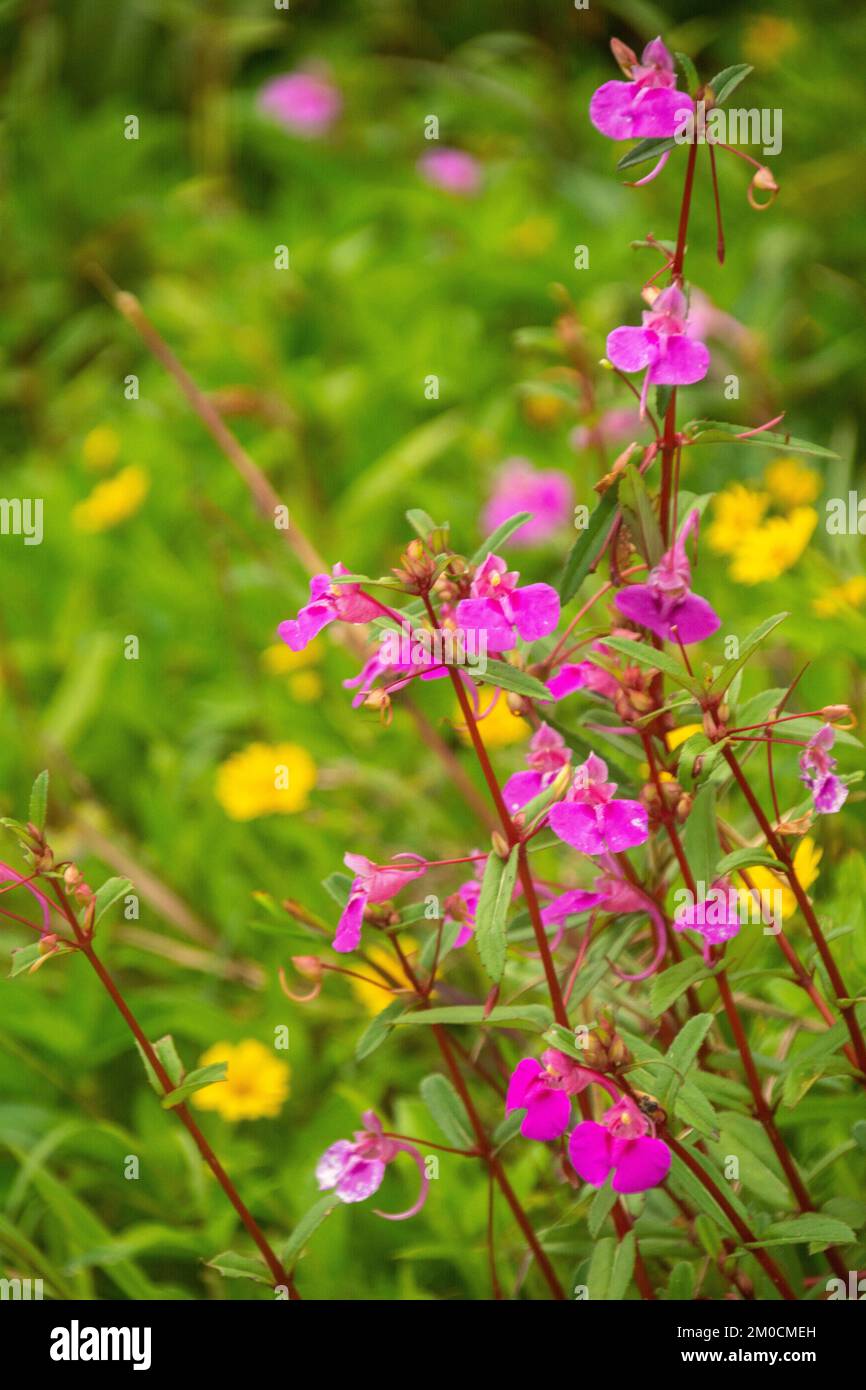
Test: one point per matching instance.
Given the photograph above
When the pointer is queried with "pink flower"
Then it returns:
(547, 755)
(544, 1092)
(621, 1144)
(665, 604)
(453, 170)
(590, 820)
(462, 907)
(370, 885)
(648, 105)
(816, 770)
(522, 488)
(328, 602)
(303, 103)
(582, 675)
(614, 427)
(355, 1169)
(716, 919)
(662, 346)
(504, 611)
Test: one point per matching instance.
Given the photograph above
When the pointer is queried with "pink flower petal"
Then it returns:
(589, 1149)
(631, 349)
(643, 1163)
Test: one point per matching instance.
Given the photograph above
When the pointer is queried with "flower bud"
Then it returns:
(518, 704)
(310, 967)
(764, 180)
(500, 845)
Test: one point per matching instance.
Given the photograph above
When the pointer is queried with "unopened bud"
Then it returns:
(310, 967)
(618, 1053)
(500, 845)
(624, 56)
(684, 807)
(764, 180)
(518, 704)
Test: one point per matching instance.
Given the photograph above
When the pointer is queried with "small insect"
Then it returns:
(649, 1106)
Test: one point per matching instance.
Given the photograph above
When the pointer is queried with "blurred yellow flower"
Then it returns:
(807, 858)
(498, 729)
(101, 447)
(736, 511)
(532, 237)
(851, 593)
(773, 548)
(265, 779)
(767, 39)
(256, 1084)
(112, 501)
(543, 408)
(372, 997)
(791, 483)
(279, 660)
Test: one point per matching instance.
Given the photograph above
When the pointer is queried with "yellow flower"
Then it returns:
(807, 858)
(850, 594)
(279, 660)
(674, 737)
(500, 727)
(101, 448)
(263, 779)
(112, 501)
(774, 547)
(791, 482)
(372, 997)
(256, 1082)
(736, 512)
(532, 237)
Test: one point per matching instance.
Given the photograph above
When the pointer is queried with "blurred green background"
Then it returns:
(321, 368)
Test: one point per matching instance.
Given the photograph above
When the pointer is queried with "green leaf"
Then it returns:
(747, 647)
(491, 915)
(389, 477)
(500, 535)
(811, 1227)
(108, 893)
(670, 984)
(600, 1269)
(726, 82)
(508, 677)
(643, 655)
(586, 548)
(684, 1049)
(339, 886)
(623, 1268)
(421, 522)
(447, 1109)
(681, 1284)
(700, 840)
(602, 1204)
(744, 859)
(689, 72)
(639, 516)
(233, 1266)
(378, 1029)
(310, 1222)
(39, 801)
(195, 1081)
(23, 958)
(721, 432)
(167, 1054)
(643, 151)
(535, 1016)
(693, 1108)
(663, 400)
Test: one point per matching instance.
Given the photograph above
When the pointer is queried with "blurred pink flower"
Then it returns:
(817, 771)
(305, 104)
(521, 488)
(614, 427)
(453, 170)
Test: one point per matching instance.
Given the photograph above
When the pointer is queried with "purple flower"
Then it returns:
(544, 1092)
(621, 1144)
(328, 602)
(453, 170)
(370, 885)
(816, 770)
(663, 346)
(303, 103)
(648, 106)
(522, 488)
(547, 755)
(355, 1168)
(716, 918)
(505, 612)
(582, 675)
(665, 603)
(591, 821)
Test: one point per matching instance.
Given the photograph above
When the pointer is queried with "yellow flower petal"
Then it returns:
(112, 501)
(256, 1084)
(264, 779)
